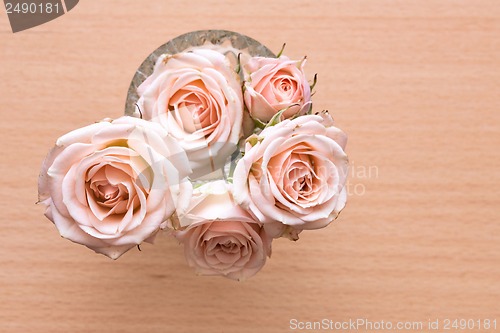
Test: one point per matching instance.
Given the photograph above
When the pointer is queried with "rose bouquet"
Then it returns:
(223, 151)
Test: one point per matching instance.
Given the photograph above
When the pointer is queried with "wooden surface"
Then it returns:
(416, 86)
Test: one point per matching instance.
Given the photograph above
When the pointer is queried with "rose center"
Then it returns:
(107, 191)
(105, 196)
(228, 247)
(192, 109)
(285, 87)
(303, 184)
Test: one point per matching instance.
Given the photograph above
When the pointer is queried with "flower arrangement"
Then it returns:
(223, 152)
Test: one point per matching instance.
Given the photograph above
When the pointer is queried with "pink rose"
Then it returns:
(112, 185)
(220, 237)
(197, 96)
(273, 84)
(293, 173)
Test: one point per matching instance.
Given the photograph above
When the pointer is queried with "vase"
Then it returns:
(242, 43)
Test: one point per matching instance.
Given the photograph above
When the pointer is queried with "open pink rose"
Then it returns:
(220, 237)
(112, 185)
(294, 173)
(197, 96)
(273, 84)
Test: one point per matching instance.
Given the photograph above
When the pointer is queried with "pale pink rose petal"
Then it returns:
(112, 186)
(273, 84)
(294, 175)
(221, 238)
(197, 97)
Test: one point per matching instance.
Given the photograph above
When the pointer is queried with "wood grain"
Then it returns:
(415, 84)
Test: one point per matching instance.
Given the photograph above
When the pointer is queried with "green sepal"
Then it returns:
(277, 117)
(281, 51)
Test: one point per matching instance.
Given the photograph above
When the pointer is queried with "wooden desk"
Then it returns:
(416, 86)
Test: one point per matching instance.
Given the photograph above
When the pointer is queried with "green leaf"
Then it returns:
(259, 123)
